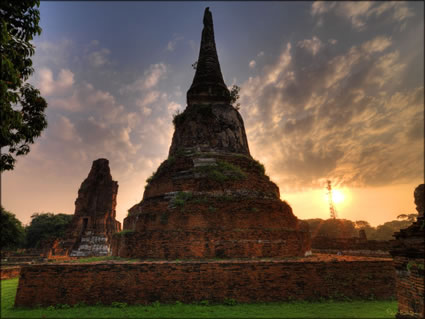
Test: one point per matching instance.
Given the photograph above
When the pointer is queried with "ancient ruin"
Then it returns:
(408, 251)
(208, 217)
(90, 231)
(210, 198)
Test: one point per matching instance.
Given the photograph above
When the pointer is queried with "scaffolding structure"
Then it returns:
(332, 208)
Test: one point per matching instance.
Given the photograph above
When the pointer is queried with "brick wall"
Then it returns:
(353, 243)
(180, 244)
(9, 272)
(410, 286)
(189, 281)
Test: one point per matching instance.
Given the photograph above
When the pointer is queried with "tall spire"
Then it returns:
(208, 85)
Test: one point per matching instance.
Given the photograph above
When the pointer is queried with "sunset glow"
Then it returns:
(328, 91)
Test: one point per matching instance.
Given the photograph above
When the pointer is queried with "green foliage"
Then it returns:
(221, 172)
(205, 110)
(22, 107)
(150, 178)
(333, 228)
(99, 258)
(181, 198)
(12, 233)
(178, 118)
(124, 232)
(164, 165)
(344, 228)
(234, 96)
(211, 209)
(117, 304)
(414, 264)
(46, 226)
(259, 167)
(163, 219)
(296, 309)
(230, 302)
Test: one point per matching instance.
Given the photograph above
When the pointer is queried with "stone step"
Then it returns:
(197, 162)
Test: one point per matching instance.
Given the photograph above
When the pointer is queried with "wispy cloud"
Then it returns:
(332, 118)
(359, 12)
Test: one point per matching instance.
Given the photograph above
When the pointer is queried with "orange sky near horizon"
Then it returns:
(375, 205)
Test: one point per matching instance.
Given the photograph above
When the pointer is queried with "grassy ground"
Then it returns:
(355, 309)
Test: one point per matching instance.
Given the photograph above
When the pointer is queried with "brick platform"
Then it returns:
(307, 278)
(9, 272)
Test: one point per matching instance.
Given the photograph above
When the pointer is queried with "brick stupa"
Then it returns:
(91, 228)
(210, 198)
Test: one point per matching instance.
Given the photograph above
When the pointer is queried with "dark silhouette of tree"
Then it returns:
(22, 107)
(46, 226)
(408, 217)
(12, 233)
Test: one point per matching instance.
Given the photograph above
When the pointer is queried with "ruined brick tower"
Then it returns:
(210, 198)
(91, 228)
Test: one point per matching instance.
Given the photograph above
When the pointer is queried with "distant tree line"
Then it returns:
(344, 228)
(43, 227)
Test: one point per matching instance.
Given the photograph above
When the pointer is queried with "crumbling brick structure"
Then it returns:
(303, 278)
(408, 253)
(91, 229)
(210, 198)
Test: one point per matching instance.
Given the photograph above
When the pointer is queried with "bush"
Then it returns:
(181, 198)
(179, 117)
(222, 171)
(46, 226)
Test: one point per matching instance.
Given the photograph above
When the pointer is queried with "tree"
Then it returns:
(46, 226)
(332, 228)
(12, 232)
(408, 217)
(22, 107)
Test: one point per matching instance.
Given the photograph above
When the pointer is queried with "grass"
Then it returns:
(222, 171)
(203, 309)
(99, 258)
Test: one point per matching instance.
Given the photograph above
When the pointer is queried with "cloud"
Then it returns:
(358, 13)
(313, 45)
(378, 44)
(99, 58)
(149, 80)
(313, 117)
(172, 43)
(148, 98)
(48, 85)
(252, 64)
(155, 73)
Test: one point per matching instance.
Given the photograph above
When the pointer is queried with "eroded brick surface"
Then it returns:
(189, 281)
(9, 272)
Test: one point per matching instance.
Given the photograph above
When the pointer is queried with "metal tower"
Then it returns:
(332, 208)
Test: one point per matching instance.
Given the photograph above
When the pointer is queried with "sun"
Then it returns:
(337, 196)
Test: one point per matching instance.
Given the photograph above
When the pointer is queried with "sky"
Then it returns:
(329, 90)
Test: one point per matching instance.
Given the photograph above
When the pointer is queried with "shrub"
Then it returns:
(230, 302)
(179, 117)
(181, 198)
(222, 171)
